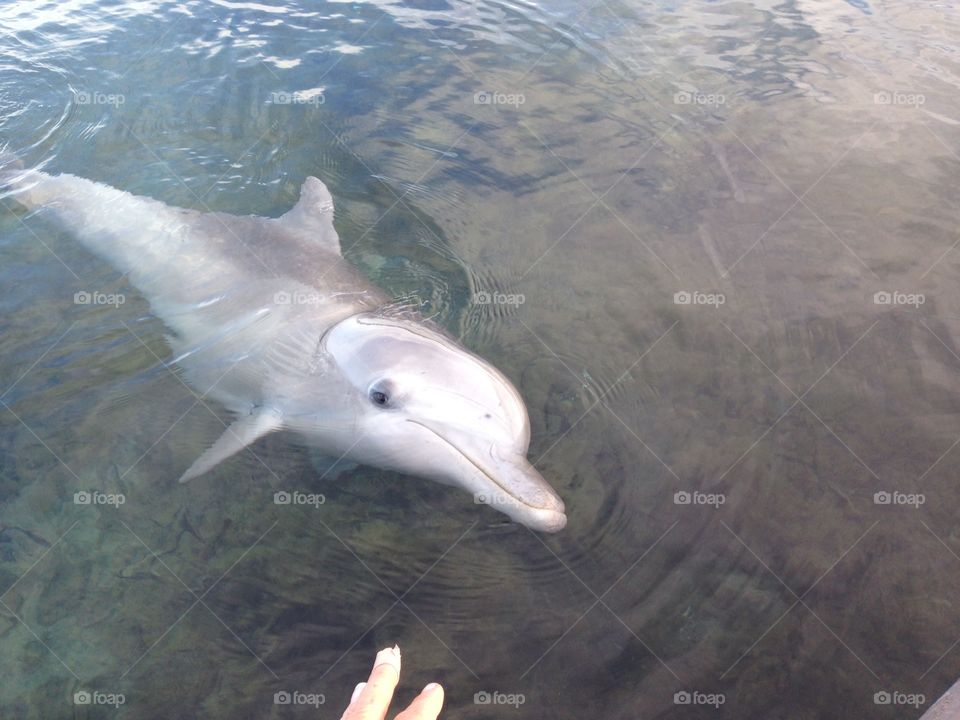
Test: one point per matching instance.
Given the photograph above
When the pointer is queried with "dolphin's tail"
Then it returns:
(11, 166)
(16, 179)
(8, 157)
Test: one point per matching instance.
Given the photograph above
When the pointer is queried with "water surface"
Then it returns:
(605, 162)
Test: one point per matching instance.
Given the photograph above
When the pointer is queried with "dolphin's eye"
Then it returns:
(381, 393)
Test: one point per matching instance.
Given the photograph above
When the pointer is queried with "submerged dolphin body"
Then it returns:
(270, 321)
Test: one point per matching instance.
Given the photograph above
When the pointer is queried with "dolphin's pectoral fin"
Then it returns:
(235, 438)
(313, 214)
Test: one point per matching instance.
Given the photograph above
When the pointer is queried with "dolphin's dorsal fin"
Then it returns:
(242, 432)
(313, 214)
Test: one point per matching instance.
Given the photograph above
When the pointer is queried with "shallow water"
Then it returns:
(791, 160)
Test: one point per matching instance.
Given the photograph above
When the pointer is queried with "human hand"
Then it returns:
(371, 699)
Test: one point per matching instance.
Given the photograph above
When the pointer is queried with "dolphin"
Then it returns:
(268, 319)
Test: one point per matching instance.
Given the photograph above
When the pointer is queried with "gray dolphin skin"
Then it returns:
(269, 320)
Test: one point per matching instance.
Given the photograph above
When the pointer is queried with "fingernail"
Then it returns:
(431, 687)
(389, 656)
(356, 692)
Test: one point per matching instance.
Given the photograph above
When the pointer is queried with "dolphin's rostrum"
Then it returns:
(268, 319)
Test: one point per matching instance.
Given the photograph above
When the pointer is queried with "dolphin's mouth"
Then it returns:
(517, 489)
